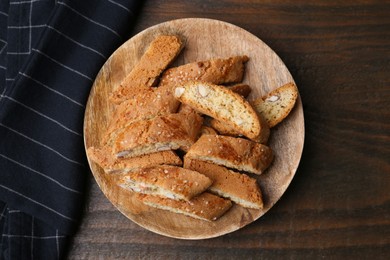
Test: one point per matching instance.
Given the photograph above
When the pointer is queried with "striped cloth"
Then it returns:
(50, 53)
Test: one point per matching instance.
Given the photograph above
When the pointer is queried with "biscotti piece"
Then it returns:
(111, 164)
(205, 206)
(222, 104)
(277, 104)
(159, 55)
(166, 181)
(236, 153)
(225, 129)
(146, 104)
(242, 89)
(169, 132)
(238, 187)
(216, 71)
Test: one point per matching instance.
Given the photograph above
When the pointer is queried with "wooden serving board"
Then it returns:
(205, 39)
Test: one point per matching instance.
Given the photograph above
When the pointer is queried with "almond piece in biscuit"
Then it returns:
(205, 206)
(159, 55)
(238, 187)
(277, 104)
(236, 153)
(222, 104)
(166, 181)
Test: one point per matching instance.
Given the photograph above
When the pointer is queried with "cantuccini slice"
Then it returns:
(159, 55)
(111, 164)
(236, 153)
(216, 71)
(241, 88)
(225, 129)
(277, 105)
(222, 104)
(169, 132)
(146, 104)
(238, 187)
(205, 206)
(166, 181)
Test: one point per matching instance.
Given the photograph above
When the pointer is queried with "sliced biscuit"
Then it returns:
(159, 55)
(146, 104)
(238, 187)
(166, 181)
(205, 206)
(241, 88)
(277, 104)
(216, 71)
(111, 164)
(236, 153)
(222, 104)
(169, 132)
(225, 129)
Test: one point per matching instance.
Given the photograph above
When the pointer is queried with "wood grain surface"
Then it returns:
(338, 204)
(204, 39)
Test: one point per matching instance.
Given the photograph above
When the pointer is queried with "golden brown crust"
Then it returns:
(111, 164)
(166, 181)
(277, 104)
(169, 132)
(238, 187)
(205, 206)
(222, 104)
(146, 104)
(159, 55)
(216, 71)
(241, 88)
(236, 153)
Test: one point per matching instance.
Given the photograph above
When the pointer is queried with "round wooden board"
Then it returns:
(205, 39)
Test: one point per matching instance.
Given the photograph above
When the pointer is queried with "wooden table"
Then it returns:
(338, 204)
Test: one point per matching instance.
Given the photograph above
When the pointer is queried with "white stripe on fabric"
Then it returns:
(12, 211)
(120, 5)
(5, 45)
(58, 244)
(39, 173)
(18, 53)
(2, 213)
(25, 2)
(91, 20)
(26, 26)
(43, 145)
(34, 237)
(63, 65)
(30, 23)
(51, 89)
(78, 43)
(37, 202)
(42, 115)
(5, 14)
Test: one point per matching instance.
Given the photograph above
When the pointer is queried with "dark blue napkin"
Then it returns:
(50, 53)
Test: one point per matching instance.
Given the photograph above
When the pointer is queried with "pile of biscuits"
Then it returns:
(185, 139)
